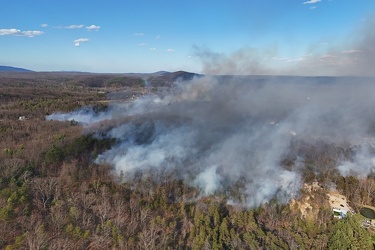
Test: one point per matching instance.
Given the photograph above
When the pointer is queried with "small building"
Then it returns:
(339, 213)
(22, 118)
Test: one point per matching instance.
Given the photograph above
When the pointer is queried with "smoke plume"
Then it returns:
(352, 56)
(217, 133)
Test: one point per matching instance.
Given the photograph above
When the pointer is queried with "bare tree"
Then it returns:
(100, 242)
(59, 216)
(44, 190)
(62, 243)
(104, 205)
(120, 214)
(152, 237)
(367, 189)
(36, 238)
(11, 167)
(144, 215)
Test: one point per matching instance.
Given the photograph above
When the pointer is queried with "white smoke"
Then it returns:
(362, 164)
(85, 116)
(219, 132)
(208, 180)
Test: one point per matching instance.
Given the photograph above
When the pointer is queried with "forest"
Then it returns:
(54, 195)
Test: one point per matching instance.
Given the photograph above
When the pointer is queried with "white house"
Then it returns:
(339, 213)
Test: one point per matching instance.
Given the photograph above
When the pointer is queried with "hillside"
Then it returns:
(167, 79)
(13, 69)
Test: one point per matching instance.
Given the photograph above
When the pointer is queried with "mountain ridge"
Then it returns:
(13, 69)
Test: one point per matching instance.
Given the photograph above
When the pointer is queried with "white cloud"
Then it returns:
(312, 1)
(352, 51)
(44, 25)
(17, 32)
(78, 42)
(74, 26)
(32, 33)
(170, 50)
(139, 34)
(152, 49)
(81, 40)
(93, 27)
(142, 44)
(288, 60)
(313, 8)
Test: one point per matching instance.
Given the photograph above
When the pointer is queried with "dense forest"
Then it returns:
(53, 195)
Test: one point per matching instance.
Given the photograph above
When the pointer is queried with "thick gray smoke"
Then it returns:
(219, 132)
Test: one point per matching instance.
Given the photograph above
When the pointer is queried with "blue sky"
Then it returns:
(240, 37)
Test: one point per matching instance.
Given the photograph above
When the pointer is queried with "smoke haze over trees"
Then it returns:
(216, 133)
(186, 166)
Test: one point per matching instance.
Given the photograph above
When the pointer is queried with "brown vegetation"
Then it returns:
(52, 195)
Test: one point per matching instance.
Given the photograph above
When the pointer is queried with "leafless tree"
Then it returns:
(100, 242)
(144, 215)
(11, 167)
(59, 216)
(44, 190)
(120, 210)
(152, 237)
(367, 190)
(103, 210)
(36, 238)
(62, 243)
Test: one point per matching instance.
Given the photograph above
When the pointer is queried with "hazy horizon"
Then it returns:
(318, 37)
(182, 70)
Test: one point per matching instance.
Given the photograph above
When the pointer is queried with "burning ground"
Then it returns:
(220, 133)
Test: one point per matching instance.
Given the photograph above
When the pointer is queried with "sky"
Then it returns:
(298, 37)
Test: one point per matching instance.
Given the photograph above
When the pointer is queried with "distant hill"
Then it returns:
(13, 69)
(160, 73)
(167, 78)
